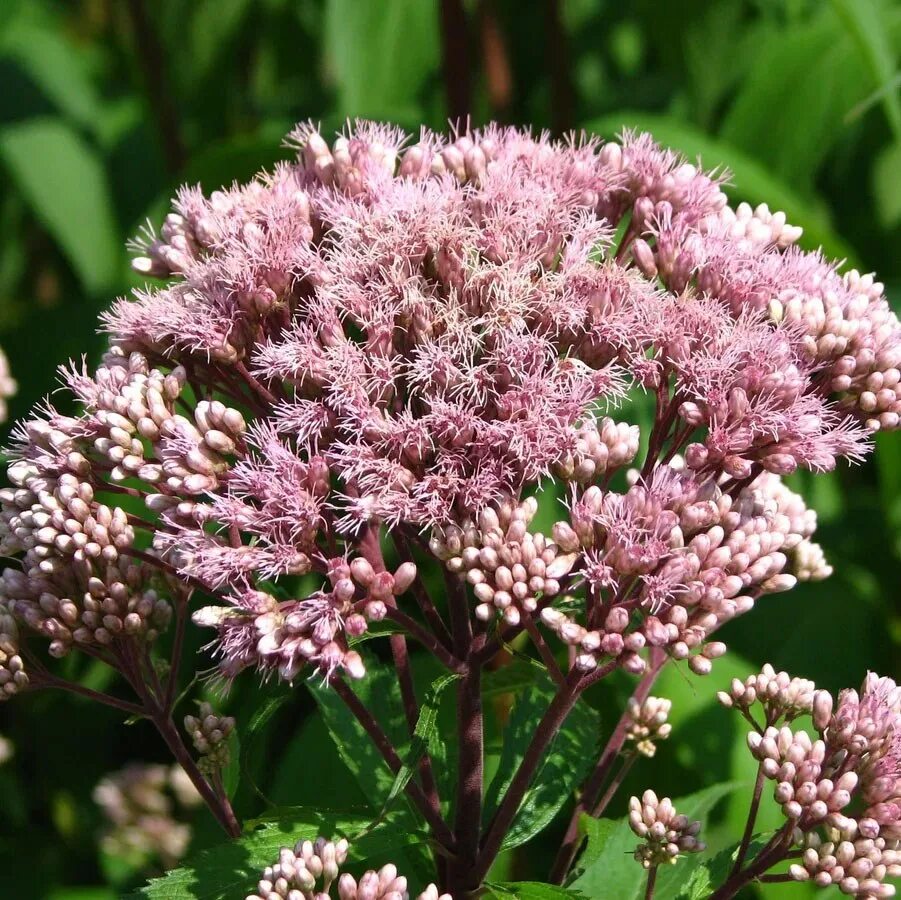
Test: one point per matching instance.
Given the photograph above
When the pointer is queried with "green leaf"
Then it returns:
(596, 832)
(54, 64)
(425, 738)
(65, 184)
(886, 178)
(866, 26)
(794, 99)
(515, 676)
(380, 694)
(713, 872)
(254, 731)
(360, 36)
(752, 181)
(611, 870)
(214, 24)
(529, 890)
(565, 763)
(232, 869)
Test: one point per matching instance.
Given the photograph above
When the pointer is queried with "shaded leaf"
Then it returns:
(54, 64)
(792, 105)
(529, 890)
(425, 738)
(865, 23)
(380, 694)
(214, 24)
(565, 763)
(886, 178)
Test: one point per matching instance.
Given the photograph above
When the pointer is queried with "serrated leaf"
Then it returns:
(425, 738)
(565, 763)
(596, 832)
(713, 872)
(64, 182)
(255, 729)
(510, 678)
(613, 872)
(231, 870)
(751, 181)
(530, 890)
(379, 692)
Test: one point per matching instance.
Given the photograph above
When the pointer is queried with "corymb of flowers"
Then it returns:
(363, 369)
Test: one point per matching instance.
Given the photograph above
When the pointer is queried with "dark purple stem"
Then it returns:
(420, 592)
(591, 792)
(389, 754)
(652, 880)
(772, 854)
(553, 719)
(427, 639)
(455, 60)
(749, 825)
(470, 734)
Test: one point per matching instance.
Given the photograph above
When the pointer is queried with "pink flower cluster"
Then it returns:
(839, 789)
(411, 337)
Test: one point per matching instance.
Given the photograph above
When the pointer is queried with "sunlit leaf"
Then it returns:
(65, 184)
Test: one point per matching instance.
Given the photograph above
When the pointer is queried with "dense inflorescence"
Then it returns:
(378, 337)
(312, 868)
(838, 788)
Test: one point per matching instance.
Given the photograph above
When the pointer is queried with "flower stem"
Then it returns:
(554, 717)
(591, 792)
(749, 825)
(614, 785)
(652, 880)
(546, 655)
(427, 639)
(470, 732)
(50, 681)
(389, 754)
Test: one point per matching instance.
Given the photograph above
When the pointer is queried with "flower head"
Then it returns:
(414, 337)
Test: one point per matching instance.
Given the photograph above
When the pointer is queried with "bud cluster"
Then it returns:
(687, 557)
(284, 636)
(311, 869)
(598, 446)
(781, 696)
(665, 833)
(858, 865)
(209, 734)
(13, 677)
(840, 790)
(647, 723)
(510, 568)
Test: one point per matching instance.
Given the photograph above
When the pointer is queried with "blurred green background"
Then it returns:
(107, 105)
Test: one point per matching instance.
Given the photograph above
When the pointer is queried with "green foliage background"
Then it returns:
(106, 105)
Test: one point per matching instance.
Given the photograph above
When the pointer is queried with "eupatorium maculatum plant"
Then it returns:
(352, 410)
